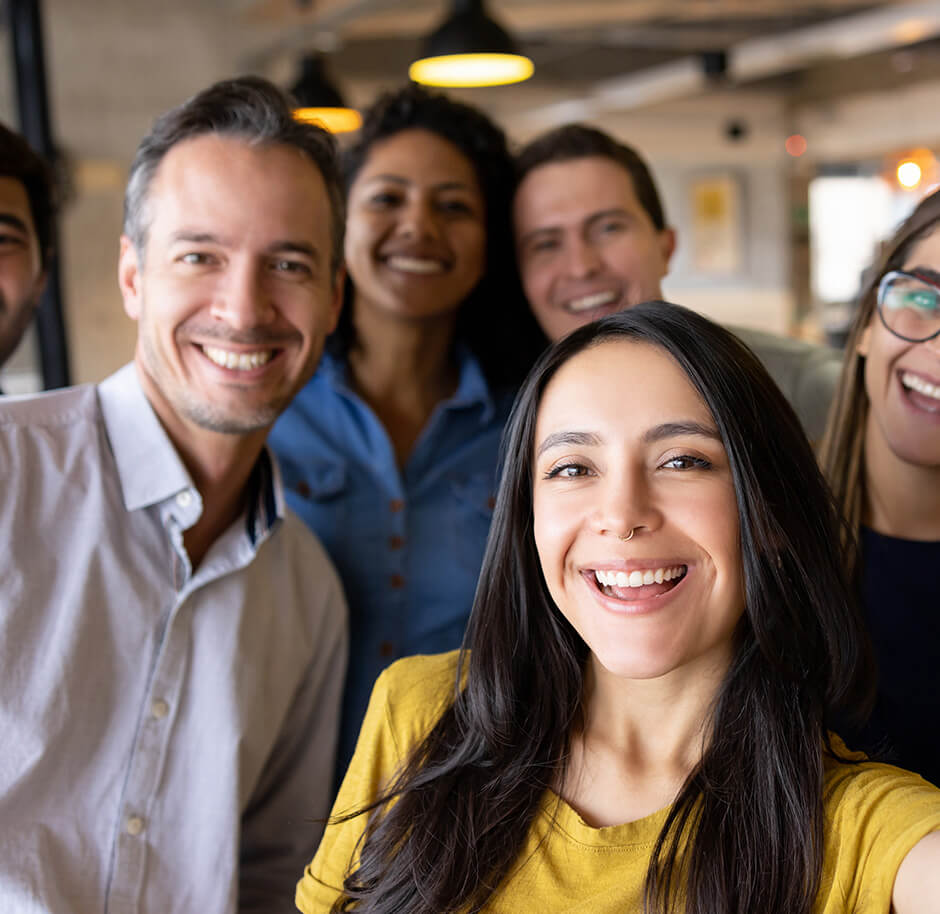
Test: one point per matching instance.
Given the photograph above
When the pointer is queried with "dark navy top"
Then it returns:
(901, 597)
(408, 543)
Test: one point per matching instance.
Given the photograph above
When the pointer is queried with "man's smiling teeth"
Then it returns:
(239, 361)
(913, 382)
(638, 578)
(414, 265)
(589, 302)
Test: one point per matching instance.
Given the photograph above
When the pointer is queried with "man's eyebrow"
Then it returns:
(14, 222)
(675, 429)
(599, 216)
(536, 232)
(577, 439)
(196, 237)
(607, 214)
(281, 246)
(286, 246)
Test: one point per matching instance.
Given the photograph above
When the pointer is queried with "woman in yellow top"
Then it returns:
(662, 628)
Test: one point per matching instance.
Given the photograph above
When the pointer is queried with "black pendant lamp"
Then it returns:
(319, 101)
(470, 49)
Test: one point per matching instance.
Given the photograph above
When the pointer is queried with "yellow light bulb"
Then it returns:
(471, 70)
(909, 174)
(336, 120)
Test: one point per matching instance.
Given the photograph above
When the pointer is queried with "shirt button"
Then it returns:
(184, 499)
(134, 826)
(387, 649)
(396, 504)
(395, 542)
(159, 709)
(397, 581)
(303, 490)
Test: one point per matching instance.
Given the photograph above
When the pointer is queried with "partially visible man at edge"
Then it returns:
(172, 641)
(26, 217)
(592, 239)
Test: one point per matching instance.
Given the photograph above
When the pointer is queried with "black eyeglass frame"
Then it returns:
(879, 302)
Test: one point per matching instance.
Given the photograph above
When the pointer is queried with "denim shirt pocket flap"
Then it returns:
(327, 480)
(476, 491)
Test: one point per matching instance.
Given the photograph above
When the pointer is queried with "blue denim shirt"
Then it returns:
(407, 543)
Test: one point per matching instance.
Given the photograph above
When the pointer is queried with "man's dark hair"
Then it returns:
(19, 161)
(250, 109)
(578, 141)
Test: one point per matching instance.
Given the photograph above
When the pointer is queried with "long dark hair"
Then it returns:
(750, 814)
(494, 321)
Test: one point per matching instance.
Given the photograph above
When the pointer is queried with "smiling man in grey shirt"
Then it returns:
(172, 640)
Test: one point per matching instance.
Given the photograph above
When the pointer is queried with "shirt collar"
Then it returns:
(472, 387)
(151, 471)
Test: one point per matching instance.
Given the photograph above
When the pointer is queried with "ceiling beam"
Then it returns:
(752, 59)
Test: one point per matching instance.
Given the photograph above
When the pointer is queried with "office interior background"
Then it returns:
(788, 136)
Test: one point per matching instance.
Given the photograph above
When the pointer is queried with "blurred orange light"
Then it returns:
(909, 174)
(795, 144)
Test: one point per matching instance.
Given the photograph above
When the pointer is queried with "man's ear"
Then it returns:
(667, 245)
(129, 278)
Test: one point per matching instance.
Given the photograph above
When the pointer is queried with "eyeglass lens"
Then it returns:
(910, 307)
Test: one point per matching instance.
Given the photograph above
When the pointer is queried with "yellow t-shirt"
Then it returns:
(875, 814)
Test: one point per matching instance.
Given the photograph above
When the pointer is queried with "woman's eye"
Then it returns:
(384, 199)
(687, 462)
(567, 471)
(459, 207)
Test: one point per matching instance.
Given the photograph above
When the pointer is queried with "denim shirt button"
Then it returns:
(397, 581)
(395, 505)
(387, 649)
(396, 542)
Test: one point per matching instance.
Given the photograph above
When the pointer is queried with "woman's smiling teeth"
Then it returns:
(639, 578)
(414, 264)
(590, 302)
(913, 382)
(239, 361)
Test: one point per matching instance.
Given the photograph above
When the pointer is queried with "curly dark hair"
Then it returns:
(494, 320)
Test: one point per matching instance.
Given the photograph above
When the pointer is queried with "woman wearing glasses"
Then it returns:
(882, 455)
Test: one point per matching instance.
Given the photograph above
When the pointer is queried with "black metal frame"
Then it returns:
(25, 22)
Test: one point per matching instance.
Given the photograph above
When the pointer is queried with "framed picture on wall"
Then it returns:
(717, 224)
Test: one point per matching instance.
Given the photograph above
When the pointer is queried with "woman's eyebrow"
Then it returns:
(578, 439)
(685, 427)
(932, 275)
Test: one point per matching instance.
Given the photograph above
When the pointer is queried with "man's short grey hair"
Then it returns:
(248, 108)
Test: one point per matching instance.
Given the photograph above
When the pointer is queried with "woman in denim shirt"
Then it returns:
(390, 453)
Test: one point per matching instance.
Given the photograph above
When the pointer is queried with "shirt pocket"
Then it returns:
(319, 494)
(473, 499)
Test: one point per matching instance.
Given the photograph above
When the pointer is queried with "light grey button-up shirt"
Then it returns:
(166, 737)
